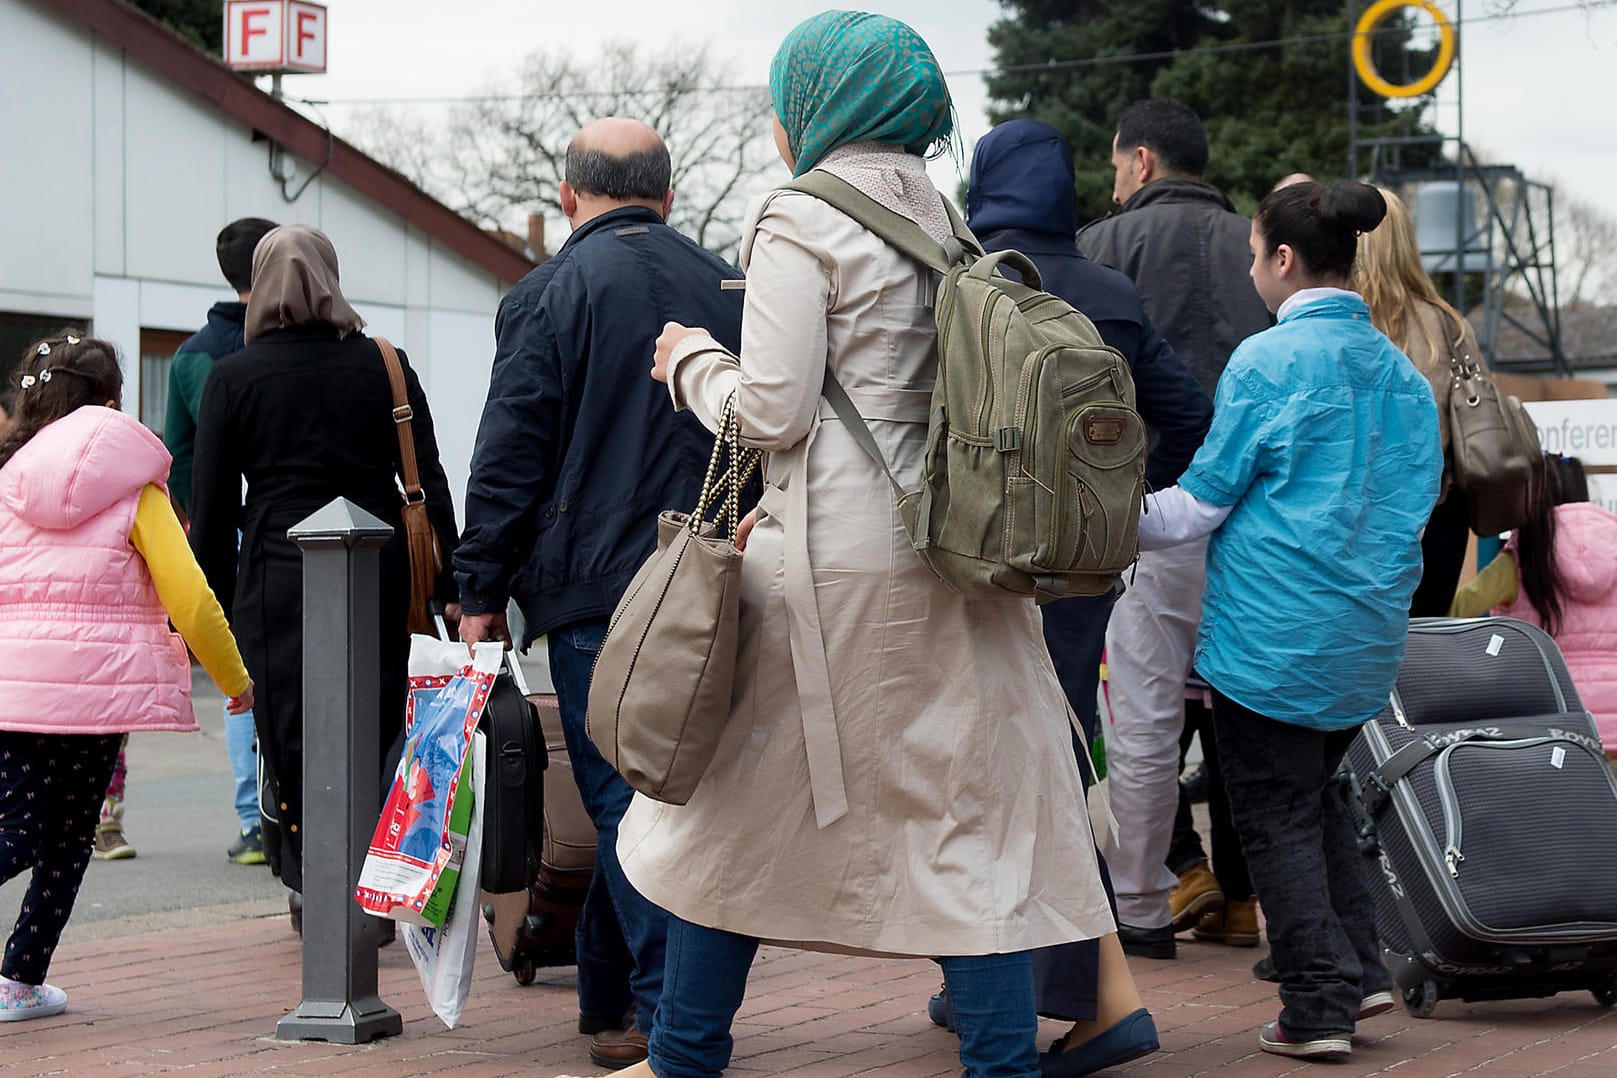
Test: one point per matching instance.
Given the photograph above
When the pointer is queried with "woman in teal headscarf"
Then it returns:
(847, 76)
(896, 775)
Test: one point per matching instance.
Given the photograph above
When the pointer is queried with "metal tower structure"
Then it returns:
(1486, 231)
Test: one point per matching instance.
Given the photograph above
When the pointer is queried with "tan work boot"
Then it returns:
(617, 1049)
(110, 844)
(1236, 924)
(1197, 896)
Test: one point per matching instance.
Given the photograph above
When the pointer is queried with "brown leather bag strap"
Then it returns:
(402, 414)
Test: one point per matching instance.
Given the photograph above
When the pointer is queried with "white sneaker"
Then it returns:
(1376, 1003)
(19, 1002)
(1329, 1046)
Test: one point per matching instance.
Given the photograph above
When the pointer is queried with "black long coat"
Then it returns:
(305, 418)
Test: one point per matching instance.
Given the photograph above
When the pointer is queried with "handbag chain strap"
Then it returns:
(743, 462)
(402, 414)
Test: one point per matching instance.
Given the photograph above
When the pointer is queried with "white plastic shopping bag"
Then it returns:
(418, 850)
(443, 956)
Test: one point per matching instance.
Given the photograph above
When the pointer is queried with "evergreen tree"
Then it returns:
(201, 22)
(1268, 110)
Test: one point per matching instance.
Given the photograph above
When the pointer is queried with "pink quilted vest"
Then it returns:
(85, 646)
(1586, 558)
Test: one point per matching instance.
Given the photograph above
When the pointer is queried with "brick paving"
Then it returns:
(205, 1001)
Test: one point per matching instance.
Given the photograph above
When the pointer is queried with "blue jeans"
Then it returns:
(621, 936)
(707, 978)
(243, 767)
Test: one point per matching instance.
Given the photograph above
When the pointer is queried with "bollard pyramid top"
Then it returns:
(340, 522)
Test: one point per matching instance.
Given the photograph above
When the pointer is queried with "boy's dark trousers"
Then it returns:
(51, 787)
(1186, 851)
(1303, 854)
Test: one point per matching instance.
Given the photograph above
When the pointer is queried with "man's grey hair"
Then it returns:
(645, 174)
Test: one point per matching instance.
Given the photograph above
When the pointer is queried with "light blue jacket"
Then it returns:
(1325, 443)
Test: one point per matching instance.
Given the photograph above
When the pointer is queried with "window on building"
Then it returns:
(157, 348)
(18, 331)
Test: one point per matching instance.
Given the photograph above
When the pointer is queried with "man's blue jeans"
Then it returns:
(243, 767)
(707, 978)
(621, 936)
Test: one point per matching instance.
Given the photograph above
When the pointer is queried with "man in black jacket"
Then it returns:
(1182, 243)
(577, 453)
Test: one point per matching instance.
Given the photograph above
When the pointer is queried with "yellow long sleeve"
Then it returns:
(184, 591)
(1493, 588)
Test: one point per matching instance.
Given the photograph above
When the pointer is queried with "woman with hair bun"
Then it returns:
(1320, 470)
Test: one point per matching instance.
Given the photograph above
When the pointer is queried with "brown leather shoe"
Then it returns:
(617, 1049)
(1235, 925)
(1197, 896)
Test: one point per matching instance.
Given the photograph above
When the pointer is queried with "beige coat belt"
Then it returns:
(810, 670)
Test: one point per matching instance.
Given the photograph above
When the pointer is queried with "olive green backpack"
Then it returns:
(1035, 457)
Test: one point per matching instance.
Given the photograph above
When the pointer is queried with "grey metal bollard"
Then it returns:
(341, 779)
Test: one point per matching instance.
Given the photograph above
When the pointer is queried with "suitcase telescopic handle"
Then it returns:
(436, 609)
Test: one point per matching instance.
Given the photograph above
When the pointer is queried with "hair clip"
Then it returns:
(44, 349)
(28, 381)
(72, 339)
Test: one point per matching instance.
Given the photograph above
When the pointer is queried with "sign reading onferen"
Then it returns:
(1586, 429)
(275, 35)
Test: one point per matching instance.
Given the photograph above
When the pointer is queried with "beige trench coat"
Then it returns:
(897, 773)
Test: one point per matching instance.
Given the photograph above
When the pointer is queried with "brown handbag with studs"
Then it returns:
(426, 558)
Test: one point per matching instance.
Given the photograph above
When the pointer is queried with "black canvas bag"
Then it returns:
(1489, 817)
(514, 788)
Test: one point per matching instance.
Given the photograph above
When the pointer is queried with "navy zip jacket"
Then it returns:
(1022, 197)
(578, 449)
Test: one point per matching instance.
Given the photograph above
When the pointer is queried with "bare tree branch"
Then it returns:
(501, 157)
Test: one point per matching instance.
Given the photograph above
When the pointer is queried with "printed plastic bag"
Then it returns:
(443, 956)
(419, 846)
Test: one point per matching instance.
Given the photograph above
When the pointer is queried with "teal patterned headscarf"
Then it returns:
(849, 76)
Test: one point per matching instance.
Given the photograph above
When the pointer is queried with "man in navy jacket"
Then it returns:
(577, 453)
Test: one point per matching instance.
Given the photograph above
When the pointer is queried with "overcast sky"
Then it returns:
(1540, 90)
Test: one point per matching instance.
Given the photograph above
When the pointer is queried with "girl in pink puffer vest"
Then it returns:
(93, 567)
(1559, 571)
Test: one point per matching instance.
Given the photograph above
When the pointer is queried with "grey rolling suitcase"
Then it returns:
(1489, 817)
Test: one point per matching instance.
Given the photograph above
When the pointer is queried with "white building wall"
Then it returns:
(119, 181)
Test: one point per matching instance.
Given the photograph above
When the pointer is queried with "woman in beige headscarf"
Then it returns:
(305, 414)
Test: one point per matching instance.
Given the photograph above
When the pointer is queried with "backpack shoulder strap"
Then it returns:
(897, 230)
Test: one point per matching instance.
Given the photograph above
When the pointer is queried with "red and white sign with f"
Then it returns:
(305, 36)
(275, 35)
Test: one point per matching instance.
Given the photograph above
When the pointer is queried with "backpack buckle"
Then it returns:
(1008, 439)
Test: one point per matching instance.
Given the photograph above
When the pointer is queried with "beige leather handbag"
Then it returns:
(660, 693)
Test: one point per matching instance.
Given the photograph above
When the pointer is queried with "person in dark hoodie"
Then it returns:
(1022, 197)
(187, 373)
(1179, 239)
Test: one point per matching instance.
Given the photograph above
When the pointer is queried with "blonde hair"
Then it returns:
(1389, 275)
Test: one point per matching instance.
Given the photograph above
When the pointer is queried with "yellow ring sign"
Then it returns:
(1364, 63)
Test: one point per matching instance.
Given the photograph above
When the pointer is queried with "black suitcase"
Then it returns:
(1489, 816)
(513, 790)
(532, 925)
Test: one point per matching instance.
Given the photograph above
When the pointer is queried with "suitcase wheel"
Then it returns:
(1421, 1000)
(524, 972)
(1606, 994)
